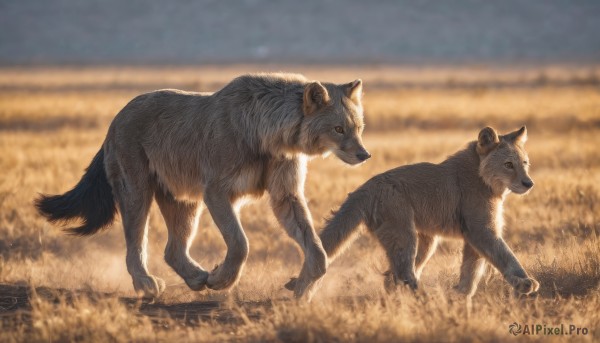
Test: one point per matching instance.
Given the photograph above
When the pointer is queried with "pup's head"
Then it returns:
(333, 121)
(504, 163)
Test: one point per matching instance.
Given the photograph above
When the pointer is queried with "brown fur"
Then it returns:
(407, 208)
(190, 150)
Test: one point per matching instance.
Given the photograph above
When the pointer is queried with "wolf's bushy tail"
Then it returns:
(341, 228)
(91, 200)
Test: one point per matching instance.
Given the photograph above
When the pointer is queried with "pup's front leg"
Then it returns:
(494, 249)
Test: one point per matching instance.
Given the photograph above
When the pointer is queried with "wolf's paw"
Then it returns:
(221, 278)
(198, 282)
(291, 285)
(148, 286)
(526, 285)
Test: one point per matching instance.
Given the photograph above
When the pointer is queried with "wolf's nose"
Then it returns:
(527, 183)
(363, 155)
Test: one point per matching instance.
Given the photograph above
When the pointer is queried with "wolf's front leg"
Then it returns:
(292, 213)
(491, 246)
(227, 221)
(286, 187)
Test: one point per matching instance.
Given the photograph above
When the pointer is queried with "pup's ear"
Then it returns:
(354, 90)
(488, 139)
(315, 97)
(518, 137)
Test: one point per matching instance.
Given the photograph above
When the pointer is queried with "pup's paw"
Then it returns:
(526, 285)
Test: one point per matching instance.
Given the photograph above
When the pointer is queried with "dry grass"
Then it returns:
(57, 288)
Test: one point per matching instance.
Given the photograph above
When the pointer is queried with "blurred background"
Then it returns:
(137, 32)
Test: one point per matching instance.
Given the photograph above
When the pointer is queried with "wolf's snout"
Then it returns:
(363, 155)
(527, 183)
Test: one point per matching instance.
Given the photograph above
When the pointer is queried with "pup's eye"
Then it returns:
(508, 165)
(339, 129)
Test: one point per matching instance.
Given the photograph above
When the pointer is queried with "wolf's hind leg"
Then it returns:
(399, 239)
(135, 198)
(425, 249)
(471, 270)
(223, 214)
(182, 223)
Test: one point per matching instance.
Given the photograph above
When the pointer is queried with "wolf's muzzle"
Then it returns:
(363, 155)
(527, 183)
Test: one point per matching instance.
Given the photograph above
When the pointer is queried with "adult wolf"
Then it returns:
(407, 208)
(187, 150)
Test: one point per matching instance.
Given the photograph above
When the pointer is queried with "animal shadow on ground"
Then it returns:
(16, 305)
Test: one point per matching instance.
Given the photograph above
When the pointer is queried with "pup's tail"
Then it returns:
(91, 200)
(343, 226)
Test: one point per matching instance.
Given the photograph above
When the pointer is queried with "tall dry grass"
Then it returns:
(58, 288)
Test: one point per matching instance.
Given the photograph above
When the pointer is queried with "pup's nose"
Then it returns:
(363, 155)
(527, 183)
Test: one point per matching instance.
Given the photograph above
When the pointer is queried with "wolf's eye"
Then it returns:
(508, 165)
(339, 129)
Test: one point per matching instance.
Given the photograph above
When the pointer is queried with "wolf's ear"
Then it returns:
(315, 97)
(518, 137)
(488, 139)
(354, 90)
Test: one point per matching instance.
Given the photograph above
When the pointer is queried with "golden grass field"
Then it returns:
(59, 288)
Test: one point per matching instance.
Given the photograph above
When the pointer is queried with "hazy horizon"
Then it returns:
(64, 32)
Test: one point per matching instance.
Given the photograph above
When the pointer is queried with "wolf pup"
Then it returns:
(407, 208)
(190, 150)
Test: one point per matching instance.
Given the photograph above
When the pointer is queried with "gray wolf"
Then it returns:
(188, 151)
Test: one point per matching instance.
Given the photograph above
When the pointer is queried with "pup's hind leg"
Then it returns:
(425, 249)
(471, 270)
(399, 239)
(182, 222)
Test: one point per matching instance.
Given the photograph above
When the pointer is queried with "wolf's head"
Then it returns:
(333, 121)
(504, 163)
